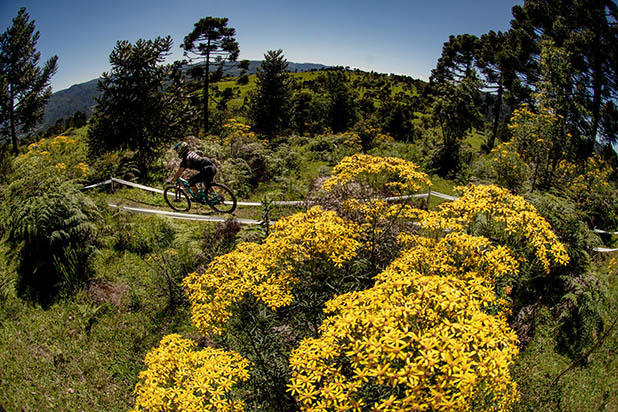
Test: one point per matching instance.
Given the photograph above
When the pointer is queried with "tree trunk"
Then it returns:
(597, 84)
(497, 110)
(12, 121)
(206, 89)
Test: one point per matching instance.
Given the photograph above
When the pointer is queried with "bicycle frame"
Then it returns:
(211, 197)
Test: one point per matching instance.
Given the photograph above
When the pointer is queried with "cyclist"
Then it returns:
(193, 161)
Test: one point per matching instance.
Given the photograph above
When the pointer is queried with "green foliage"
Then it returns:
(456, 112)
(51, 230)
(309, 111)
(219, 239)
(342, 112)
(270, 104)
(585, 31)
(6, 164)
(587, 383)
(581, 319)
(119, 164)
(143, 236)
(132, 112)
(24, 86)
(238, 175)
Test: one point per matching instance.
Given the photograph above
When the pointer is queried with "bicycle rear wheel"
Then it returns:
(226, 200)
(177, 198)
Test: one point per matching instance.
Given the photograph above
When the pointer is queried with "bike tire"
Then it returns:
(177, 198)
(225, 194)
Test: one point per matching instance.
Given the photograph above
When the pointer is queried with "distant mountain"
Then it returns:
(64, 104)
(80, 97)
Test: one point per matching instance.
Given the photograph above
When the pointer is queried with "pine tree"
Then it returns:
(270, 105)
(134, 111)
(24, 86)
(213, 41)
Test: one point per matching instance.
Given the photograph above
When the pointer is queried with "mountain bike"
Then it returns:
(218, 196)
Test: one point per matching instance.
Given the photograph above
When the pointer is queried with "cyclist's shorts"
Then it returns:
(205, 175)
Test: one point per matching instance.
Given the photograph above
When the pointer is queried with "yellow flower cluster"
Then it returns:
(267, 270)
(384, 137)
(508, 168)
(162, 256)
(349, 139)
(536, 134)
(394, 173)
(181, 378)
(419, 340)
(580, 180)
(58, 145)
(482, 205)
(236, 134)
(612, 266)
(462, 256)
(82, 168)
(59, 152)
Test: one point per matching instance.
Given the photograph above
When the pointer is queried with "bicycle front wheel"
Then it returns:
(226, 200)
(177, 198)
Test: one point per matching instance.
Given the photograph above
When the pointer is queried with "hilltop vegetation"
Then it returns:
(496, 300)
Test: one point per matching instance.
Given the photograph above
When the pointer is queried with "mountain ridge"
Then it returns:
(80, 97)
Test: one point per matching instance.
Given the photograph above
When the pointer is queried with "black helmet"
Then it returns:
(181, 148)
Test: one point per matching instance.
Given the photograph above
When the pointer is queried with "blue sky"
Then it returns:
(403, 37)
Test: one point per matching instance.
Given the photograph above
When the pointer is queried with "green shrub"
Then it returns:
(237, 175)
(6, 164)
(113, 164)
(51, 229)
(574, 289)
(139, 234)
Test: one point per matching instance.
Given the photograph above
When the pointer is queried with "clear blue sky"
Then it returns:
(388, 36)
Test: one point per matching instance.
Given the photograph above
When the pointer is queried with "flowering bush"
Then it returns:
(181, 378)
(541, 140)
(588, 185)
(236, 134)
(51, 224)
(508, 169)
(429, 332)
(377, 175)
(465, 257)
(267, 270)
(415, 341)
(64, 154)
(494, 212)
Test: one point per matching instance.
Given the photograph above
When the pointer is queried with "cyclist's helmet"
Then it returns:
(181, 148)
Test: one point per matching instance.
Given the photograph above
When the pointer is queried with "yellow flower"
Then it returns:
(181, 377)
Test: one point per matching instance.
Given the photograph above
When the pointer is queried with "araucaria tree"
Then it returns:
(214, 42)
(24, 86)
(587, 32)
(132, 112)
(270, 105)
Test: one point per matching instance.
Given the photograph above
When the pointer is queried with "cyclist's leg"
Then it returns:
(193, 181)
(208, 174)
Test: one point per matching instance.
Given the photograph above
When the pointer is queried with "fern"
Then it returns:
(51, 227)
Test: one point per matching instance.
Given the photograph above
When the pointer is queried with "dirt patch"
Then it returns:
(101, 291)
